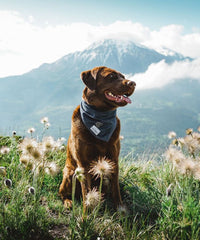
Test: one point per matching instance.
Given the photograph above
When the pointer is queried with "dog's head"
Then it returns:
(106, 88)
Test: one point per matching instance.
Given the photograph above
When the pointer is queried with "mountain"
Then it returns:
(54, 90)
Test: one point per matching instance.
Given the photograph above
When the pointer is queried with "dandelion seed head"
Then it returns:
(92, 198)
(37, 154)
(104, 167)
(188, 167)
(47, 125)
(171, 135)
(48, 143)
(196, 171)
(28, 145)
(5, 150)
(192, 143)
(44, 120)
(53, 169)
(196, 136)
(31, 130)
(181, 142)
(174, 155)
(24, 159)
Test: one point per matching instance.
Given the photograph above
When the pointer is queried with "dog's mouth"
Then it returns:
(117, 98)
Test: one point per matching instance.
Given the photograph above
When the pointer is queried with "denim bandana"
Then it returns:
(101, 124)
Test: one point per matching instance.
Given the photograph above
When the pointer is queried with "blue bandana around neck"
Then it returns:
(101, 124)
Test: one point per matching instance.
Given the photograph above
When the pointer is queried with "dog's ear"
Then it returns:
(89, 78)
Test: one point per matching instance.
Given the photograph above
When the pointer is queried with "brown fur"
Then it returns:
(83, 148)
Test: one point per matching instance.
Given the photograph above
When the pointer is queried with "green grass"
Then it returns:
(152, 214)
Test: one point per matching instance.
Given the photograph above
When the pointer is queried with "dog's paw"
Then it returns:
(68, 203)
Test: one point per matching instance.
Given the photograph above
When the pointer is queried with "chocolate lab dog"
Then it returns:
(95, 130)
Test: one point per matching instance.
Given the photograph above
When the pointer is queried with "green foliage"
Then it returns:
(151, 212)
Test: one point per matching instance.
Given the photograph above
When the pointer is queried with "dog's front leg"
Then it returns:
(85, 187)
(115, 190)
(66, 186)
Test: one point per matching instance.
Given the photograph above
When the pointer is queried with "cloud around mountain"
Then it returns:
(25, 45)
(160, 74)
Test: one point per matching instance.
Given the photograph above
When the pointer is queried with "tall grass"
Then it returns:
(161, 199)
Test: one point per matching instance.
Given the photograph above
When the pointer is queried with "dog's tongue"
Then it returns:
(123, 98)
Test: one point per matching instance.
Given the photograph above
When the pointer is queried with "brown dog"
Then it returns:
(95, 130)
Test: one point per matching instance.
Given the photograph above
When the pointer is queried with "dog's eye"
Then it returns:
(112, 76)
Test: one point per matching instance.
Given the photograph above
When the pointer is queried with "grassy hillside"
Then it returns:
(161, 199)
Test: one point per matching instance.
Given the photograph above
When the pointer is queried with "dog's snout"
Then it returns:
(130, 83)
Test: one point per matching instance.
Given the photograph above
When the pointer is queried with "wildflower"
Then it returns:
(52, 169)
(92, 198)
(24, 159)
(31, 130)
(121, 137)
(59, 144)
(2, 171)
(171, 135)
(103, 167)
(14, 133)
(5, 150)
(175, 142)
(188, 167)
(31, 190)
(8, 182)
(37, 154)
(169, 190)
(44, 120)
(79, 173)
(181, 142)
(48, 144)
(192, 143)
(62, 140)
(196, 172)
(175, 156)
(28, 145)
(189, 131)
(47, 125)
(62, 148)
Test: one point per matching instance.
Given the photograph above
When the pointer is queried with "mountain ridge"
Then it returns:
(54, 90)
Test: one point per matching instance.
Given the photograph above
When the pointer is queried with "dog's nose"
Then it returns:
(130, 83)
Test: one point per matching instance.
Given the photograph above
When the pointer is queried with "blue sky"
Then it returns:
(33, 32)
(152, 13)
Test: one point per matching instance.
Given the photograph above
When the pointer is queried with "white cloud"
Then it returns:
(172, 37)
(161, 74)
(24, 45)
